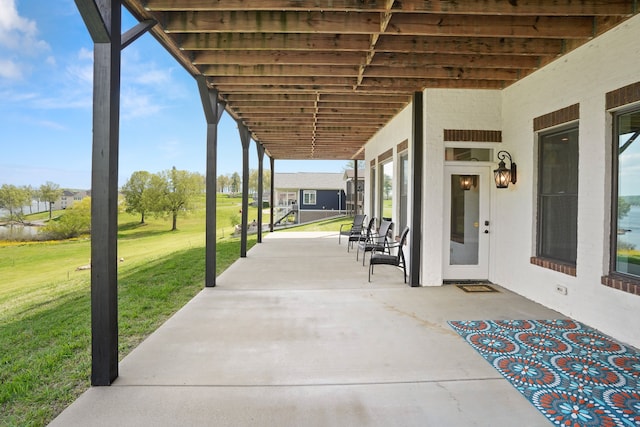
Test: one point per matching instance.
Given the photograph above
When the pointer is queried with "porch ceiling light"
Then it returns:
(503, 175)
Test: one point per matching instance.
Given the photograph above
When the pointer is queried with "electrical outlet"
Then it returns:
(561, 289)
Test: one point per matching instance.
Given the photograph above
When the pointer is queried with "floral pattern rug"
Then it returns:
(574, 375)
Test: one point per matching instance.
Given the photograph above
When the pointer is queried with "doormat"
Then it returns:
(477, 287)
(574, 375)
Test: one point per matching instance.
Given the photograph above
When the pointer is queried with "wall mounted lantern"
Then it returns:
(503, 175)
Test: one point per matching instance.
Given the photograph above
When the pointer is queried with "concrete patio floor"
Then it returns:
(294, 335)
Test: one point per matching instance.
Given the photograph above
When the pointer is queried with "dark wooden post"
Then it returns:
(213, 110)
(103, 21)
(272, 196)
(245, 138)
(260, 149)
(416, 191)
(355, 186)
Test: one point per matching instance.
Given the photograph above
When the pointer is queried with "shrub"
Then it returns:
(75, 221)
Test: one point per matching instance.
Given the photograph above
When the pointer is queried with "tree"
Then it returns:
(223, 183)
(623, 207)
(253, 181)
(174, 191)
(235, 182)
(13, 198)
(136, 195)
(50, 192)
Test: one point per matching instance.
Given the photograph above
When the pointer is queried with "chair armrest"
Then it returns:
(345, 225)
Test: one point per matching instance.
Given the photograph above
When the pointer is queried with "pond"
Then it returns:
(18, 232)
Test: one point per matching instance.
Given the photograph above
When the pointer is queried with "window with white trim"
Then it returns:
(309, 197)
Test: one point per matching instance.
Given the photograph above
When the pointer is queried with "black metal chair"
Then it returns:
(378, 242)
(388, 259)
(366, 235)
(355, 228)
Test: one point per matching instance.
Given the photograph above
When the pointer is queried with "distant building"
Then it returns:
(69, 197)
(307, 196)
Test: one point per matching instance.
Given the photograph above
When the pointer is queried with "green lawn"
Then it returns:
(45, 304)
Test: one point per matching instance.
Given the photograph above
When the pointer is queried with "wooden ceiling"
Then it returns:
(316, 79)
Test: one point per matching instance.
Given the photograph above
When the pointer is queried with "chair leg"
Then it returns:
(370, 270)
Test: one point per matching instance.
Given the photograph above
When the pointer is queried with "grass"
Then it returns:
(45, 312)
(331, 224)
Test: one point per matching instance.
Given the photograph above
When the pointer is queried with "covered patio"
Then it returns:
(294, 335)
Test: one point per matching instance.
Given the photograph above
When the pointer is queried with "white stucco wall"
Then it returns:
(397, 131)
(448, 109)
(583, 76)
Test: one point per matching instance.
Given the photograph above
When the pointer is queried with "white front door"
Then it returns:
(467, 192)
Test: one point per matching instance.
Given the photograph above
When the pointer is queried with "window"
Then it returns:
(309, 197)
(386, 191)
(372, 189)
(558, 195)
(625, 258)
(404, 191)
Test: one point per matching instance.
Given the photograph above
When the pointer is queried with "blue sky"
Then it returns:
(46, 74)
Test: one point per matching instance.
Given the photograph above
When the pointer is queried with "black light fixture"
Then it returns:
(503, 175)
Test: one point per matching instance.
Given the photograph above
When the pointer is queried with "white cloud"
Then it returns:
(85, 54)
(9, 69)
(134, 104)
(18, 33)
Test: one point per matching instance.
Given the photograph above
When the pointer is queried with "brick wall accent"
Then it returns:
(623, 96)
(558, 117)
(554, 265)
(386, 155)
(625, 285)
(473, 135)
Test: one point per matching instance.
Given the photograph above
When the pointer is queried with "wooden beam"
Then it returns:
(492, 26)
(272, 21)
(272, 41)
(97, 19)
(469, 45)
(396, 61)
(274, 57)
(488, 7)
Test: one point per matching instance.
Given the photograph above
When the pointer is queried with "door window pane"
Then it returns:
(465, 218)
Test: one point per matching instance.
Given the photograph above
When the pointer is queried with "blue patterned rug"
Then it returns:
(574, 375)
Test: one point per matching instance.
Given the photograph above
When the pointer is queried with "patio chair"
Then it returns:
(378, 242)
(388, 259)
(365, 235)
(355, 227)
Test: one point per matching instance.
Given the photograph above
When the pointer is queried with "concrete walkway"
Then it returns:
(294, 335)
